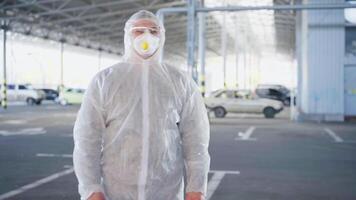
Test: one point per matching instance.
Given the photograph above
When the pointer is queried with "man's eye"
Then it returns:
(138, 32)
(154, 32)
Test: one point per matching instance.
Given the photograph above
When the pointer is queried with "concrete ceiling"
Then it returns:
(98, 24)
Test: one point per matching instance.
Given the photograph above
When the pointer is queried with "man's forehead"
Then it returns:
(145, 23)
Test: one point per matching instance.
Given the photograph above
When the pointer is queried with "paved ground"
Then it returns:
(252, 158)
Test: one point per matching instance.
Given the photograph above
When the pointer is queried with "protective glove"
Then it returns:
(194, 196)
(97, 196)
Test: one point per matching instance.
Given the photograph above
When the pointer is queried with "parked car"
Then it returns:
(70, 96)
(275, 92)
(24, 93)
(50, 94)
(224, 101)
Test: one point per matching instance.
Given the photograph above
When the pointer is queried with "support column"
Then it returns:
(191, 39)
(202, 51)
(4, 28)
(62, 52)
(245, 69)
(224, 45)
(236, 53)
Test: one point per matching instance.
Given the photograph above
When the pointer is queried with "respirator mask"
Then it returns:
(145, 41)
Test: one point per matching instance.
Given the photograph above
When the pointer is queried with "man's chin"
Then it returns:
(146, 57)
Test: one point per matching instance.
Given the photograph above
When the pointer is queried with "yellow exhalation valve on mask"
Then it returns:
(144, 45)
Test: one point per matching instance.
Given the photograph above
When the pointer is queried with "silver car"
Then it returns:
(23, 93)
(241, 101)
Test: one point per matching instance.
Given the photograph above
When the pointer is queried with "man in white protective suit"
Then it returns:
(142, 126)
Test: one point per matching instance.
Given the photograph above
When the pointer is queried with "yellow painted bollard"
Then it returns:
(4, 96)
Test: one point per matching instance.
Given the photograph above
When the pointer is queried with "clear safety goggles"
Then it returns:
(141, 30)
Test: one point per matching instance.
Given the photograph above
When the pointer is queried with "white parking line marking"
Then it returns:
(216, 179)
(214, 183)
(26, 131)
(54, 155)
(36, 183)
(246, 135)
(334, 135)
(15, 121)
(226, 172)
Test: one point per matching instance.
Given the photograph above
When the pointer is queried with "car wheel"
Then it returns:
(30, 101)
(219, 112)
(63, 102)
(269, 112)
(38, 102)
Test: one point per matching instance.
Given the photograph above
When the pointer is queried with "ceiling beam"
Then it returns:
(27, 4)
(120, 12)
(79, 8)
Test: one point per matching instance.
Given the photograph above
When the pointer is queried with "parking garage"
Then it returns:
(278, 79)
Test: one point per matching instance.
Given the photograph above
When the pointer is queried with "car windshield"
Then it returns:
(225, 94)
(280, 88)
(22, 87)
(284, 89)
(214, 93)
(28, 86)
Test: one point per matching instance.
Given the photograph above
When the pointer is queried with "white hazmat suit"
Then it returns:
(141, 126)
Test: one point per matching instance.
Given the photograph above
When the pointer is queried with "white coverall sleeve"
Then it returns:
(195, 131)
(88, 130)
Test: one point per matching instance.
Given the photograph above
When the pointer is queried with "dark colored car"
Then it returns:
(50, 94)
(275, 92)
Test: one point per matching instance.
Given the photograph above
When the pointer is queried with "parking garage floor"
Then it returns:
(252, 158)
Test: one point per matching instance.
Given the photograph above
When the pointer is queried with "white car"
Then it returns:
(23, 93)
(241, 101)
